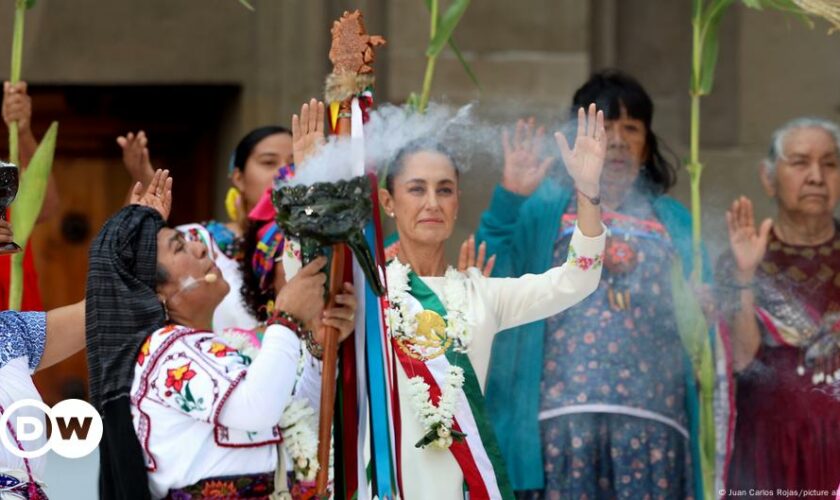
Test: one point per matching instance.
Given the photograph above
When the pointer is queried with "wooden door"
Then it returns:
(183, 123)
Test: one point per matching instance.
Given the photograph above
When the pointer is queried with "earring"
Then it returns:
(391, 215)
(233, 203)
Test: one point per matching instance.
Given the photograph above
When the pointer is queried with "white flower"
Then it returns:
(300, 438)
(437, 420)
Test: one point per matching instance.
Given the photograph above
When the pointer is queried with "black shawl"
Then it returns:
(121, 310)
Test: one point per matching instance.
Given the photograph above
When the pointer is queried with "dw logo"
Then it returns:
(73, 428)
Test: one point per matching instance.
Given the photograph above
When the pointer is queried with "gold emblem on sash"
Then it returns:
(430, 339)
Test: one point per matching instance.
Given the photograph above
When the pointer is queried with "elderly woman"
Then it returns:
(443, 321)
(782, 305)
(597, 402)
(187, 412)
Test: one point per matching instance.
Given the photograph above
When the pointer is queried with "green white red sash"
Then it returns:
(478, 454)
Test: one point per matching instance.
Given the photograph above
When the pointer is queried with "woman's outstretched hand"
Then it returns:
(586, 161)
(524, 169)
(157, 195)
(308, 131)
(467, 258)
(748, 242)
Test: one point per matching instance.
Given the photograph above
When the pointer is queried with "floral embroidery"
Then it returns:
(166, 330)
(220, 350)
(584, 262)
(144, 351)
(178, 379)
(217, 489)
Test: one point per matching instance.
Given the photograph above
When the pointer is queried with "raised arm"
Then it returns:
(524, 170)
(584, 164)
(749, 245)
(274, 371)
(533, 297)
(17, 107)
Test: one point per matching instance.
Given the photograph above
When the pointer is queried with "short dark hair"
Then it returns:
(249, 142)
(397, 165)
(611, 90)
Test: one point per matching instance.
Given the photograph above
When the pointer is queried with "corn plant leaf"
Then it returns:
(457, 52)
(709, 44)
(446, 26)
(30, 4)
(464, 63)
(247, 5)
(33, 187)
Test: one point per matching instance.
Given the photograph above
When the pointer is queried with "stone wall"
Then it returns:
(529, 55)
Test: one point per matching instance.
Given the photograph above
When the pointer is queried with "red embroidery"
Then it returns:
(144, 351)
(175, 377)
(219, 349)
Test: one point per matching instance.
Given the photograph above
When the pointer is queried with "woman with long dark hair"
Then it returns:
(597, 401)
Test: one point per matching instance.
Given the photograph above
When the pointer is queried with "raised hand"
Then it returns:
(157, 195)
(467, 257)
(748, 243)
(585, 162)
(6, 233)
(524, 170)
(17, 106)
(308, 131)
(135, 150)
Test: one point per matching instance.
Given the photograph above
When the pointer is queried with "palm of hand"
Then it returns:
(523, 166)
(586, 161)
(747, 247)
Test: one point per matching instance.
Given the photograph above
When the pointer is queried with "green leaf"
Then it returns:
(709, 44)
(33, 187)
(447, 25)
(246, 4)
(30, 4)
(413, 101)
(464, 63)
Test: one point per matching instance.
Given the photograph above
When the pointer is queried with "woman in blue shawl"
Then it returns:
(601, 401)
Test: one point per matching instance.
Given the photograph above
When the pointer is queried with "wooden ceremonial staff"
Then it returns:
(351, 54)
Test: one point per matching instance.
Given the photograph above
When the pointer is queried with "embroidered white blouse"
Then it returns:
(22, 340)
(203, 409)
(493, 305)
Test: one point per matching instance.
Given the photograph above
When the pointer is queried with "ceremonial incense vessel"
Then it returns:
(327, 213)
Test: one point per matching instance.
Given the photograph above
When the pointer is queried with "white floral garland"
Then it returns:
(436, 420)
(299, 438)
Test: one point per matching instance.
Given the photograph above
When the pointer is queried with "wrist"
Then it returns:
(281, 317)
(588, 189)
(515, 188)
(744, 278)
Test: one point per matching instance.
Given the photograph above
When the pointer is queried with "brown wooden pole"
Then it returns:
(328, 381)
